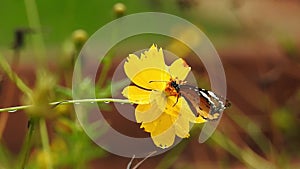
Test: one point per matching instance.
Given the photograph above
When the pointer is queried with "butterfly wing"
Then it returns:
(207, 104)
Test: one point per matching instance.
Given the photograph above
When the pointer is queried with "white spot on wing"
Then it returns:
(207, 97)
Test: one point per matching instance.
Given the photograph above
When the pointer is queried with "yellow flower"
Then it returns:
(160, 108)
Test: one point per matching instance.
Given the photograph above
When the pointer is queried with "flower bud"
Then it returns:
(79, 37)
(119, 9)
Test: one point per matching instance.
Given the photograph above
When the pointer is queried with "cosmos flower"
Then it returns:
(160, 109)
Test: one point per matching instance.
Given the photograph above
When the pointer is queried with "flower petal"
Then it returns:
(199, 120)
(162, 130)
(151, 78)
(165, 139)
(149, 67)
(173, 108)
(136, 94)
(179, 69)
(147, 112)
(159, 125)
(159, 99)
(150, 112)
(182, 127)
(186, 111)
(149, 127)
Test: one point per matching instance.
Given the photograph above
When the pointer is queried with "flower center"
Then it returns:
(172, 88)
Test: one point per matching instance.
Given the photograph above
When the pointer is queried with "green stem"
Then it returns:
(253, 130)
(245, 155)
(27, 144)
(105, 100)
(34, 23)
(45, 142)
(14, 77)
(104, 72)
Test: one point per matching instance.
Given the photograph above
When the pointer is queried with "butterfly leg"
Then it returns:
(177, 99)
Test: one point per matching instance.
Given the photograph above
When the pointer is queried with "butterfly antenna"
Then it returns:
(158, 81)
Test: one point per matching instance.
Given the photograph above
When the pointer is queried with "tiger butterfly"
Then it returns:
(206, 103)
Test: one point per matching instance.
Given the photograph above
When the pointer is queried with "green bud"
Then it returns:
(79, 37)
(119, 9)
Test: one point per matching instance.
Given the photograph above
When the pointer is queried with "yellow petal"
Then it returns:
(136, 94)
(147, 112)
(150, 112)
(173, 108)
(199, 120)
(165, 139)
(174, 121)
(149, 67)
(186, 111)
(143, 107)
(179, 69)
(159, 125)
(149, 127)
(163, 123)
(182, 127)
(151, 78)
(162, 131)
(159, 99)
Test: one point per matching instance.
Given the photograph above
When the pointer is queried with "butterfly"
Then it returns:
(205, 103)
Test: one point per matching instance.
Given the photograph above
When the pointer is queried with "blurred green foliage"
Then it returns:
(59, 18)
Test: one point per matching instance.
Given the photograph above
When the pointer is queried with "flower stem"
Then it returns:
(45, 142)
(4, 65)
(27, 144)
(105, 100)
(39, 48)
(104, 71)
(246, 155)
